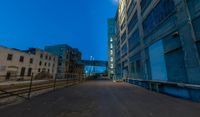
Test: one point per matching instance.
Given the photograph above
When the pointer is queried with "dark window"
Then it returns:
(49, 64)
(59, 63)
(123, 25)
(136, 68)
(124, 50)
(196, 25)
(131, 8)
(22, 71)
(48, 70)
(49, 57)
(46, 57)
(60, 57)
(31, 61)
(132, 23)
(41, 55)
(134, 40)
(21, 59)
(39, 70)
(162, 10)
(10, 56)
(123, 38)
(40, 63)
(45, 64)
(144, 4)
(29, 71)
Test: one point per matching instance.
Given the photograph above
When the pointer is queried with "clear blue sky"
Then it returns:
(36, 23)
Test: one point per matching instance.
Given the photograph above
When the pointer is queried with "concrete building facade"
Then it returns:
(111, 46)
(18, 65)
(69, 59)
(158, 42)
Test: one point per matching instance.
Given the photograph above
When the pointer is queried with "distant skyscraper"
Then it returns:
(111, 46)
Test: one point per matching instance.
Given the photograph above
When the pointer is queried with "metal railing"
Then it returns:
(26, 87)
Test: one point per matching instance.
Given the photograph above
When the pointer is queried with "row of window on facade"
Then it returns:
(44, 70)
(47, 57)
(21, 59)
(29, 73)
(45, 64)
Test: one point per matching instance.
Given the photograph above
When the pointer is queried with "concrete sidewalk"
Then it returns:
(103, 98)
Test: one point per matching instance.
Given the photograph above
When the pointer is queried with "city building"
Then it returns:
(18, 65)
(111, 46)
(158, 45)
(68, 60)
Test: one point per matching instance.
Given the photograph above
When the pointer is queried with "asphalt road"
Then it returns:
(103, 98)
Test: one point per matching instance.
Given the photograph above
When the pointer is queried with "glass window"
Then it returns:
(111, 39)
(40, 63)
(134, 40)
(144, 4)
(111, 52)
(111, 45)
(111, 59)
(29, 71)
(123, 38)
(41, 55)
(22, 71)
(158, 14)
(111, 66)
(21, 59)
(131, 8)
(45, 64)
(31, 60)
(124, 49)
(9, 57)
(132, 23)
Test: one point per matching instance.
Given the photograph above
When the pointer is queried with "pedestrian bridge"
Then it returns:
(94, 63)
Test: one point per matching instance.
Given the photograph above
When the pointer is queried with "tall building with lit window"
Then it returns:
(158, 45)
(111, 46)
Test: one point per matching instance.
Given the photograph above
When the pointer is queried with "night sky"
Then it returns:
(35, 23)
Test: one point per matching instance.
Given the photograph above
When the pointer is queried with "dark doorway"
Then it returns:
(8, 75)
(22, 71)
(29, 71)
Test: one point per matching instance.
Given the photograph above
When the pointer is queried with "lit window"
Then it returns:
(111, 66)
(111, 45)
(111, 39)
(111, 52)
(111, 59)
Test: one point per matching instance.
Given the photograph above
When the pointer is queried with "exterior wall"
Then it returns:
(68, 61)
(14, 66)
(111, 47)
(163, 38)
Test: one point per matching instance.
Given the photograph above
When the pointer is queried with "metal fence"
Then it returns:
(24, 88)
